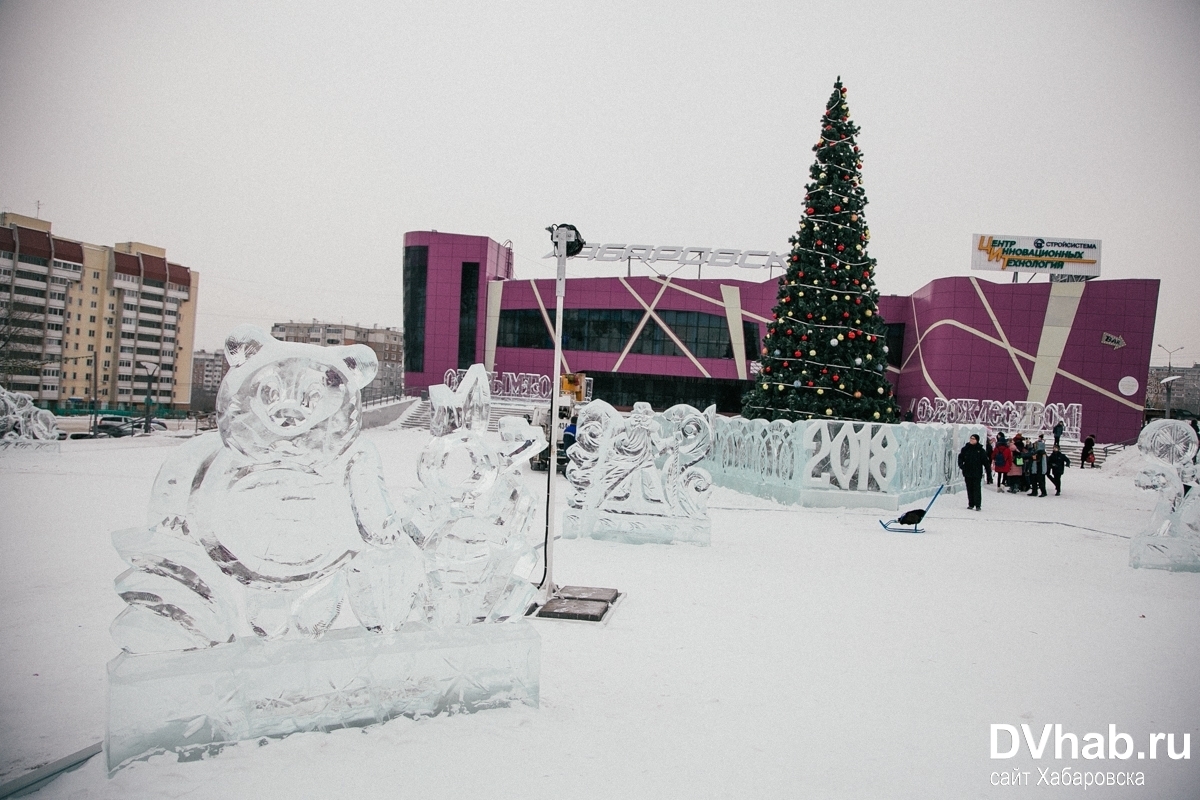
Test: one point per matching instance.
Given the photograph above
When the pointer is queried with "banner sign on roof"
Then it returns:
(685, 256)
(1037, 254)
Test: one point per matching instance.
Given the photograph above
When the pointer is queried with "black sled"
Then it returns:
(912, 517)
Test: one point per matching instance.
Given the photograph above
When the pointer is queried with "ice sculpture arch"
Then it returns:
(1171, 539)
(274, 555)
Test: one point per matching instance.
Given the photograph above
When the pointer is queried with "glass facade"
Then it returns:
(623, 389)
(416, 268)
(603, 330)
(468, 313)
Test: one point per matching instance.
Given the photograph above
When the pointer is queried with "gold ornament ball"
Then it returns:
(840, 337)
(857, 395)
(820, 391)
(880, 390)
(829, 412)
(780, 387)
(822, 319)
(812, 352)
(841, 386)
(799, 294)
(876, 415)
(868, 312)
(869, 356)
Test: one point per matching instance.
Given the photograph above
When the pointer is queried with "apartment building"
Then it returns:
(388, 344)
(82, 322)
(208, 370)
(1185, 392)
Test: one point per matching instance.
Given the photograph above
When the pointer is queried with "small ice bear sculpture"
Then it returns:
(1172, 538)
(268, 527)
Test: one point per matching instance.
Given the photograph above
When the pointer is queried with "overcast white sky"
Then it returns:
(282, 149)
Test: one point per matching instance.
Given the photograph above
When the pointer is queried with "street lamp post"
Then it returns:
(151, 381)
(1166, 383)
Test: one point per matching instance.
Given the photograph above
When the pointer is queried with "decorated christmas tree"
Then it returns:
(825, 355)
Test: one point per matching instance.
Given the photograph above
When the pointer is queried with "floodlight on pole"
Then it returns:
(567, 242)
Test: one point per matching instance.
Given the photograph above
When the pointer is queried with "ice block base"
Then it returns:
(635, 528)
(197, 701)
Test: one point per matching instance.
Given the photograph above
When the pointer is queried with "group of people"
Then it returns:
(1018, 465)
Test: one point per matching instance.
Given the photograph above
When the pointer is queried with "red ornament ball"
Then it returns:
(837, 208)
(805, 338)
(809, 316)
(866, 274)
(785, 364)
(796, 354)
(851, 334)
(841, 247)
(836, 378)
(810, 383)
(858, 301)
(845, 315)
(789, 331)
(810, 211)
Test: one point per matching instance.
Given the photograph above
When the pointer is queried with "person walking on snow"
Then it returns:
(1057, 462)
(971, 460)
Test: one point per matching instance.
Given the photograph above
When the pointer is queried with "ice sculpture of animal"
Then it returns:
(468, 406)
(635, 477)
(258, 530)
(1171, 540)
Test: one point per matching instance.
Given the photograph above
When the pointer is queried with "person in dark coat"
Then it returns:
(1058, 432)
(971, 460)
(1001, 461)
(1035, 468)
(1057, 461)
(1086, 456)
(987, 450)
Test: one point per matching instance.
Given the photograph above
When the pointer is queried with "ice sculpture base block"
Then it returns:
(1165, 552)
(635, 528)
(196, 701)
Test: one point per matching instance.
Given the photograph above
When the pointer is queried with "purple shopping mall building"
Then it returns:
(671, 340)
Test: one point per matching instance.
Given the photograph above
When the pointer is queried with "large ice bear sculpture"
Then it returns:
(267, 528)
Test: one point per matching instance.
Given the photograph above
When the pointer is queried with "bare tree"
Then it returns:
(21, 337)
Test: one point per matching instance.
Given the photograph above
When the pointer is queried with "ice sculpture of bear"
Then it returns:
(261, 533)
(281, 502)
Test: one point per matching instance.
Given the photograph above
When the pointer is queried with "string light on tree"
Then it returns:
(834, 320)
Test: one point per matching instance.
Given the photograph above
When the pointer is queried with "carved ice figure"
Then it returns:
(22, 422)
(260, 533)
(268, 528)
(1171, 540)
(467, 406)
(635, 477)
(521, 441)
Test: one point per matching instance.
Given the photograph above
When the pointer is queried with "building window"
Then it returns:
(416, 269)
(468, 313)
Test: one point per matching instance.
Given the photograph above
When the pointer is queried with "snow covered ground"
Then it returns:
(806, 653)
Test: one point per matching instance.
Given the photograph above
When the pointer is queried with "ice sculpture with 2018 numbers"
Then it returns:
(277, 589)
